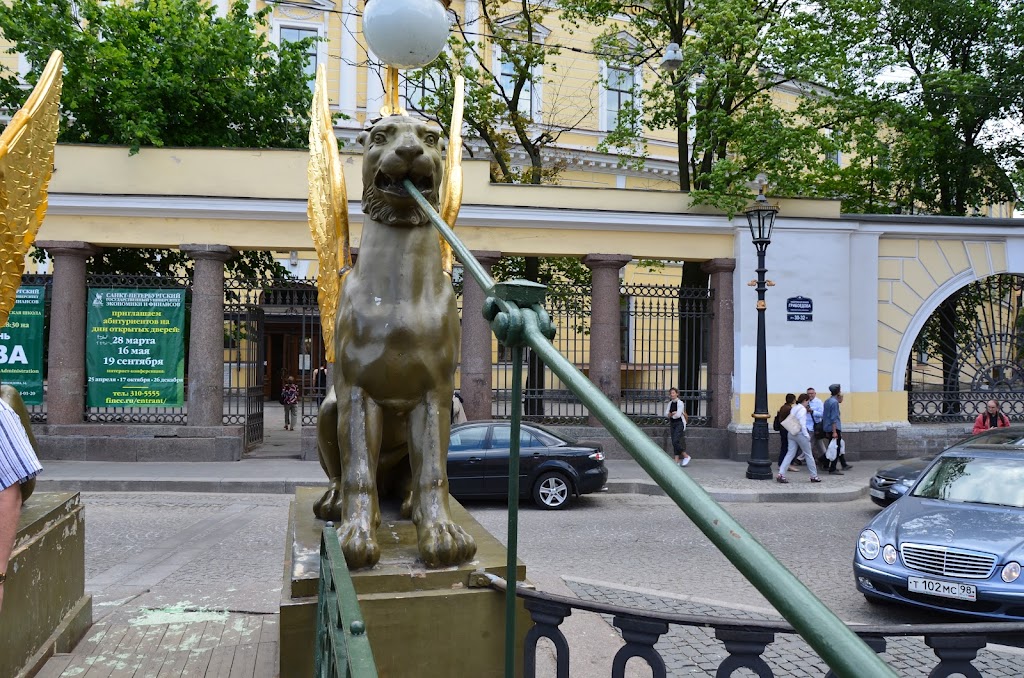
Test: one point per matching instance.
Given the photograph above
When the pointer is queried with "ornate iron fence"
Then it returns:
(970, 350)
(744, 641)
(342, 645)
(143, 415)
(545, 399)
(244, 355)
(664, 343)
(665, 333)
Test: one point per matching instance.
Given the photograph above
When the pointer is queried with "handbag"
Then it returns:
(819, 430)
(791, 425)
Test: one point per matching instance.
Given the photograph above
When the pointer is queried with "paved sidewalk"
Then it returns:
(724, 480)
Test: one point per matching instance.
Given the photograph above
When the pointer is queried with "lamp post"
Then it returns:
(404, 34)
(760, 218)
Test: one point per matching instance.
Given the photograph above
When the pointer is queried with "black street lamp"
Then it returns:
(760, 218)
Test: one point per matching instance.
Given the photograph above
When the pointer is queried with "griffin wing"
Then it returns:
(26, 165)
(451, 201)
(327, 209)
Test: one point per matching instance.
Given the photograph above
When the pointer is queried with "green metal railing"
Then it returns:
(517, 317)
(342, 646)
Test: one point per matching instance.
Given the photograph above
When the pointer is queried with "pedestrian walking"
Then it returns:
(320, 382)
(290, 400)
(458, 412)
(817, 410)
(992, 417)
(796, 425)
(832, 425)
(18, 467)
(677, 427)
(780, 417)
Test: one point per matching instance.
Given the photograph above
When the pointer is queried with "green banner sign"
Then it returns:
(21, 345)
(135, 351)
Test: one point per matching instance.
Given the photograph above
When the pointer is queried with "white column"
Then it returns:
(349, 57)
(471, 18)
(374, 86)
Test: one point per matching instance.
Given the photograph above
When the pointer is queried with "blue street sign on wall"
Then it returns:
(799, 309)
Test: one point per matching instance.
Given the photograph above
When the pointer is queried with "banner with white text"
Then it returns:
(21, 345)
(135, 348)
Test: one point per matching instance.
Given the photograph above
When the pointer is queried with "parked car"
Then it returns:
(892, 481)
(955, 541)
(552, 468)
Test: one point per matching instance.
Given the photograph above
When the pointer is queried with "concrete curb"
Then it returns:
(817, 496)
(248, 486)
(183, 485)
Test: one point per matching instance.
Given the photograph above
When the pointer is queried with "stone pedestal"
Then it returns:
(420, 622)
(45, 608)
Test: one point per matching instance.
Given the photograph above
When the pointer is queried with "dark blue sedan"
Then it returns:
(955, 541)
(552, 469)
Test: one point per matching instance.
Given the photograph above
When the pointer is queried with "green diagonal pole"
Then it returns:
(846, 654)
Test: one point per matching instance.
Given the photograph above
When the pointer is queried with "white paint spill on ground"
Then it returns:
(182, 613)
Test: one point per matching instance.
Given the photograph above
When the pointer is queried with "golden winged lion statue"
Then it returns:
(26, 165)
(391, 329)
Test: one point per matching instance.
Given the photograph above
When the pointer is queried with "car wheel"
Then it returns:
(552, 491)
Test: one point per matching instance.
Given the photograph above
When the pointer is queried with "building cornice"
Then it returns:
(259, 209)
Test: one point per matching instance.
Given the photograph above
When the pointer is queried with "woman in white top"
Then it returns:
(799, 440)
(677, 426)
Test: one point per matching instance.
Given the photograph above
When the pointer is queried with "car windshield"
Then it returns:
(975, 480)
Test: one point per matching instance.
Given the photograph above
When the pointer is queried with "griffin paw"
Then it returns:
(445, 543)
(359, 545)
(328, 507)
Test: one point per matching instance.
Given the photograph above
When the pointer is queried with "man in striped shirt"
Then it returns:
(18, 466)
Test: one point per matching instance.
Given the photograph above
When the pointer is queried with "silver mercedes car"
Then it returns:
(955, 541)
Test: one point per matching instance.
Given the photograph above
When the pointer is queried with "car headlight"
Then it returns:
(868, 545)
(1011, 571)
(889, 554)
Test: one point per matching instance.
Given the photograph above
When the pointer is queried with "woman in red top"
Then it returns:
(991, 418)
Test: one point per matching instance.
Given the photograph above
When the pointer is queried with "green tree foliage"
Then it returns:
(936, 118)
(164, 73)
(736, 54)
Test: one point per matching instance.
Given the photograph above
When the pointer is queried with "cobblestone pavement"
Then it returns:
(180, 551)
(641, 551)
(695, 651)
(170, 553)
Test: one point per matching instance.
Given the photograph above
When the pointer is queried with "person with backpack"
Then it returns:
(780, 416)
(290, 400)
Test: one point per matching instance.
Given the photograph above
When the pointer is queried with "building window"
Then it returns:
(508, 80)
(618, 93)
(297, 33)
(415, 87)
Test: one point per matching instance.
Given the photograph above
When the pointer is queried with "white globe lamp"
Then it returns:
(406, 33)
